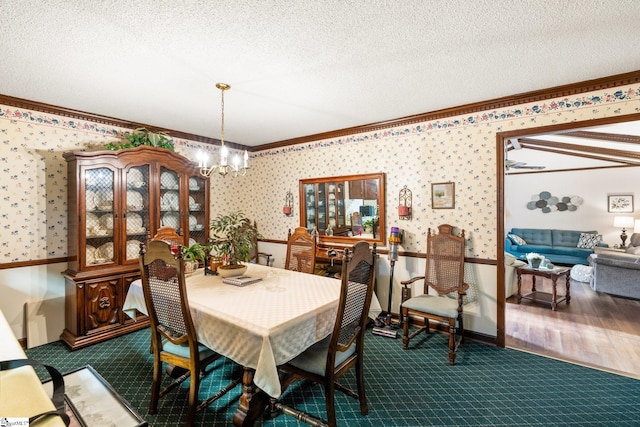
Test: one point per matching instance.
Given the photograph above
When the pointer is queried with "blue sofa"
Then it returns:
(558, 246)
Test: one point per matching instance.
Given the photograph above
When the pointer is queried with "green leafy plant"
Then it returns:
(195, 253)
(233, 237)
(142, 136)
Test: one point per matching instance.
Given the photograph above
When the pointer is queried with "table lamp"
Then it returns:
(623, 222)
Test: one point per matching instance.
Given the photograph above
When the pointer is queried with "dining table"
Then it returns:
(260, 326)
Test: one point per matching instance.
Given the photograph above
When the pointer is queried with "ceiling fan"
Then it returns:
(512, 164)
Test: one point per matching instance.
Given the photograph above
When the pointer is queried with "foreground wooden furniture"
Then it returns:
(545, 297)
(444, 274)
(301, 251)
(173, 335)
(331, 358)
(116, 199)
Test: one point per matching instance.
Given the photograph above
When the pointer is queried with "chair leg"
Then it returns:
(405, 329)
(155, 385)
(194, 385)
(452, 342)
(362, 398)
(329, 395)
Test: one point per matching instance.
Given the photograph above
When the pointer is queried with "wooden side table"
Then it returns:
(545, 297)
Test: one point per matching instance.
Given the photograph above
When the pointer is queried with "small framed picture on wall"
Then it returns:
(620, 203)
(443, 195)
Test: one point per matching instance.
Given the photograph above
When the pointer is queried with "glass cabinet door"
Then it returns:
(198, 227)
(310, 206)
(169, 199)
(100, 218)
(136, 209)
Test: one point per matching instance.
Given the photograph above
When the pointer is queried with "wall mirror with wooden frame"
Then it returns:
(344, 209)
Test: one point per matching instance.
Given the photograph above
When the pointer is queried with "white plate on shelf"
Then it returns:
(193, 221)
(135, 178)
(133, 249)
(193, 184)
(134, 223)
(135, 202)
(91, 221)
(106, 221)
(171, 200)
(170, 219)
(91, 254)
(90, 199)
(192, 241)
(103, 200)
(105, 252)
(193, 205)
(169, 180)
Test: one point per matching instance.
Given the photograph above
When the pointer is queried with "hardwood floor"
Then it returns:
(595, 329)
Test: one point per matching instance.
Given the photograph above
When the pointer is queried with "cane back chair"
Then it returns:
(328, 360)
(444, 274)
(301, 251)
(173, 335)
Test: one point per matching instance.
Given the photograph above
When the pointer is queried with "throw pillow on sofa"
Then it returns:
(589, 241)
(516, 240)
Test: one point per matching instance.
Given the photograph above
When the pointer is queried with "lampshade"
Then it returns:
(636, 229)
(623, 221)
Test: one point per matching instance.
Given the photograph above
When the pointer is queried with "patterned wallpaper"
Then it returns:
(458, 149)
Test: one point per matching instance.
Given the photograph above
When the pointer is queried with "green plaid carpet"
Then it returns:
(489, 386)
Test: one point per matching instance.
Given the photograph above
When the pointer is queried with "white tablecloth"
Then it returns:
(258, 326)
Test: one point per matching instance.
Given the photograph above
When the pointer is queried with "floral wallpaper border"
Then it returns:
(460, 149)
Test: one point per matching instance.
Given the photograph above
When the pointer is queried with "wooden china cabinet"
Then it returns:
(116, 200)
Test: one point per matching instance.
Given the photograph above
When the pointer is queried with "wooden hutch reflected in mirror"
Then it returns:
(344, 208)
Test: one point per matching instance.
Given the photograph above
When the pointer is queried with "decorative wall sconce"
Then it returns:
(288, 204)
(404, 203)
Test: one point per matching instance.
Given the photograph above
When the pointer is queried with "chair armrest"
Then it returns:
(264, 255)
(405, 283)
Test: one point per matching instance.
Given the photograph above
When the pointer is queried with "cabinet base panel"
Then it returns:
(75, 342)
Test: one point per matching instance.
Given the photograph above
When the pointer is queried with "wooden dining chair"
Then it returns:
(255, 255)
(301, 251)
(173, 334)
(328, 360)
(444, 274)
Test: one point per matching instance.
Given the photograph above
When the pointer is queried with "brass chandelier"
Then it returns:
(223, 167)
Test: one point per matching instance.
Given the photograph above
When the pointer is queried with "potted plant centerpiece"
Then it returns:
(534, 259)
(193, 256)
(233, 237)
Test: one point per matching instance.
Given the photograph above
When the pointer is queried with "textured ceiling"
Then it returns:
(299, 68)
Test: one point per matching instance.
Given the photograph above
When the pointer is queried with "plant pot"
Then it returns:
(190, 267)
(231, 270)
(535, 263)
